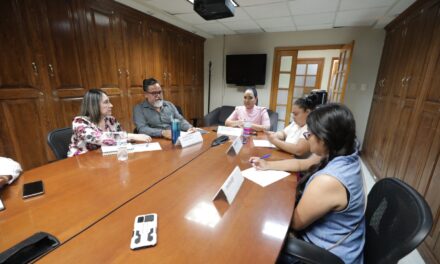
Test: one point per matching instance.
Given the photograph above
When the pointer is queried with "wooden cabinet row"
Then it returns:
(403, 132)
(52, 52)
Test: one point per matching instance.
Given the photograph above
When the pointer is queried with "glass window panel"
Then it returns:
(284, 80)
(301, 69)
(299, 81)
(280, 125)
(311, 81)
(282, 96)
(281, 110)
(312, 69)
(298, 92)
(286, 63)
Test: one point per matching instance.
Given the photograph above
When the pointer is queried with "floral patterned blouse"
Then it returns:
(88, 136)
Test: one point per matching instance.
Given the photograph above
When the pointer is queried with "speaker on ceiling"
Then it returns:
(214, 9)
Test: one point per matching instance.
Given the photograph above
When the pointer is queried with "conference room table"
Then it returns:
(81, 190)
(93, 218)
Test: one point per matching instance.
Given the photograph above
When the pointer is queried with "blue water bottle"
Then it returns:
(175, 130)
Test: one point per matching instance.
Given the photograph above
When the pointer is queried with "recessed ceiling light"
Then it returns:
(233, 2)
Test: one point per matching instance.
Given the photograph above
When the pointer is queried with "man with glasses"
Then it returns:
(153, 116)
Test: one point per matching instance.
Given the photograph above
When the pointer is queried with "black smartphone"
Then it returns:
(32, 189)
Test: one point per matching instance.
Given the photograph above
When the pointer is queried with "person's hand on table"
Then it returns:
(193, 129)
(258, 163)
(4, 179)
(140, 137)
(166, 134)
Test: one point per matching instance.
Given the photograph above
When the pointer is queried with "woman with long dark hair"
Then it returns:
(330, 203)
(94, 120)
(291, 138)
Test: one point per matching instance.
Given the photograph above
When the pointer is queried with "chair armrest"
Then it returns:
(309, 253)
(212, 117)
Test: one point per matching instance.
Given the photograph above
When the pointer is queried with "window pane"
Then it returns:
(312, 69)
(299, 81)
(311, 81)
(282, 97)
(281, 110)
(301, 69)
(286, 63)
(298, 92)
(284, 80)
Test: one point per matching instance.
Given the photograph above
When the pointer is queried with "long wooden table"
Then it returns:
(191, 228)
(82, 190)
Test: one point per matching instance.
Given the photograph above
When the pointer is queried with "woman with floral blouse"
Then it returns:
(95, 119)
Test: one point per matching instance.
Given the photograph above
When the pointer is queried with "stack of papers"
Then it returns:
(264, 178)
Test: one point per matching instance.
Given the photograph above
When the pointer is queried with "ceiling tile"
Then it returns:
(381, 23)
(361, 4)
(301, 7)
(275, 22)
(315, 27)
(314, 19)
(363, 17)
(256, 2)
(192, 18)
(247, 31)
(280, 29)
(214, 28)
(173, 6)
(241, 25)
(267, 11)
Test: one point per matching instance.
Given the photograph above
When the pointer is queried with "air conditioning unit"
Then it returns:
(214, 9)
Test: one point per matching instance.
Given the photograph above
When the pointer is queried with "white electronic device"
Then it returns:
(144, 232)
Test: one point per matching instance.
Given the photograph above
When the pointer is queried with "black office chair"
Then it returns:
(397, 220)
(273, 120)
(59, 140)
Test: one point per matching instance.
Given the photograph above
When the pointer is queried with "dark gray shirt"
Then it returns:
(149, 121)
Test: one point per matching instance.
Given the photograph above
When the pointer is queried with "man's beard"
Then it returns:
(158, 103)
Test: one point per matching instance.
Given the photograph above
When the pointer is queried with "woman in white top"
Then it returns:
(291, 139)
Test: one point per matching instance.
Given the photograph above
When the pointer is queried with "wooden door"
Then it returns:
(189, 90)
(23, 103)
(338, 87)
(106, 47)
(173, 88)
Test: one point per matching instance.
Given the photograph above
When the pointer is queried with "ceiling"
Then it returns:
(256, 16)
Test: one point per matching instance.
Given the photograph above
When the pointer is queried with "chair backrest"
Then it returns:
(218, 116)
(273, 120)
(59, 140)
(397, 220)
(179, 109)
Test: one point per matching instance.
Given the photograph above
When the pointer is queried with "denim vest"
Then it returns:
(328, 230)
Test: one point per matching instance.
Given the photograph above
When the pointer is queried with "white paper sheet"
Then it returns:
(264, 178)
(146, 147)
(263, 143)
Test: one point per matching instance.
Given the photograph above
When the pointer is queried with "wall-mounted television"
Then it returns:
(246, 69)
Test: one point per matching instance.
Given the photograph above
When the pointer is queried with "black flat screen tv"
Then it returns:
(246, 69)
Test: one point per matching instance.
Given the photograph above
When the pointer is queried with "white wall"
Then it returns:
(365, 64)
(327, 55)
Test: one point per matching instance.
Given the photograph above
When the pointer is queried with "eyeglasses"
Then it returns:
(155, 93)
(307, 135)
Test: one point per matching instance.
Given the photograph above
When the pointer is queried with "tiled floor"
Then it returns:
(412, 258)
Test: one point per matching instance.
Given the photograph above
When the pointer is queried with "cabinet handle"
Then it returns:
(51, 72)
(164, 76)
(35, 68)
(119, 72)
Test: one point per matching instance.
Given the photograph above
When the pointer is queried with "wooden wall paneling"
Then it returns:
(107, 51)
(155, 51)
(199, 80)
(173, 89)
(188, 77)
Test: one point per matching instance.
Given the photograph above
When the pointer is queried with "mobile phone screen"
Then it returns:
(32, 189)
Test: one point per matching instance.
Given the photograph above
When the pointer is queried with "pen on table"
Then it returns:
(263, 157)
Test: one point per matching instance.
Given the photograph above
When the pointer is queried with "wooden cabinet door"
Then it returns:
(65, 57)
(199, 80)
(105, 45)
(189, 90)
(135, 58)
(173, 88)
(155, 44)
(23, 105)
